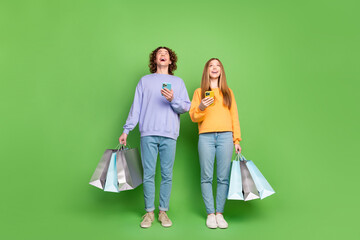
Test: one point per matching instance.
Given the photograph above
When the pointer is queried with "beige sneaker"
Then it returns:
(211, 221)
(148, 218)
(164, 219)
(221, 221)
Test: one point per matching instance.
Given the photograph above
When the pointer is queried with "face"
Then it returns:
(214, 69)
(163, 57)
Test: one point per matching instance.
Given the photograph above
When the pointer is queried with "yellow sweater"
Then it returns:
(216, 118)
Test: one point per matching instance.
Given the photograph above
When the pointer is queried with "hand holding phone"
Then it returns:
(167, 92)
(207, 101)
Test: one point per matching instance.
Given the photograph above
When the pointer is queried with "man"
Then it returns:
(159, 100)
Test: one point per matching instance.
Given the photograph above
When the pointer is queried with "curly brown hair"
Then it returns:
(173, 59)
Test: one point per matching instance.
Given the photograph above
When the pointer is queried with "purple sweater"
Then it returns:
(156, 115)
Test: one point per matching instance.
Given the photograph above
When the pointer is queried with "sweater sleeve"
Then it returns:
(181, 102)
(134, 114)
(235, 120)
(196, 114)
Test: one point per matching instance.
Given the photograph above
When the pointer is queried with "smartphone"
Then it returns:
(210, 94)
(166, 85)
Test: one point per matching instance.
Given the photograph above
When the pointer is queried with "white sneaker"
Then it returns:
(148, 218)
(211, 221)
(221, 221)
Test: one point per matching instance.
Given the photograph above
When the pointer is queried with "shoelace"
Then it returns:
(164, 215)
(147, 217)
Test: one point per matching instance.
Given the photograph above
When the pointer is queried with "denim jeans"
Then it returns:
(150, 147)
(219, 144)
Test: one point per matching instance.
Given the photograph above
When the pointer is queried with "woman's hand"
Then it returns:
(169, 95)
(205, 103)
(237, 148)
(122, 138)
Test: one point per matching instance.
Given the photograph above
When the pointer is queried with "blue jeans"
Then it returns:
(221, 145)
(150, 146)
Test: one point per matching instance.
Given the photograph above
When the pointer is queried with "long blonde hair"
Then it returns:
(224, 89)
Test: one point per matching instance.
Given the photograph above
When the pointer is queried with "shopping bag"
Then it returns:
(249, 188)
(99, 176)
(261, 183)
(111, 183)
(129, 169)
(235, 184)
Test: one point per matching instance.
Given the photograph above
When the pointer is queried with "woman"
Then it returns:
(219, 132)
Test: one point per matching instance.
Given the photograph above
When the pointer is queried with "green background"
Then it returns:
(68, 72)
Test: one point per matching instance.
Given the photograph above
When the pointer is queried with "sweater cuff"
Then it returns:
(237, 141)
(126, 131)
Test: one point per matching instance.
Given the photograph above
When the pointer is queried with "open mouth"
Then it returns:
(162, 59)
(214, 72)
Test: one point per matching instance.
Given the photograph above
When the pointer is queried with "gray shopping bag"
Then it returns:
(129, 169)
(249, 188)
(99, 176)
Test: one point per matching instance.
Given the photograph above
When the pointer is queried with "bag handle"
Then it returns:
(120, 147)
(238, 157)
(241, 157)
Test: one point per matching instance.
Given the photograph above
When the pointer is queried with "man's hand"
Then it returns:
(122, 138)
(237, 148)
(169, 95)
(205, 103)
